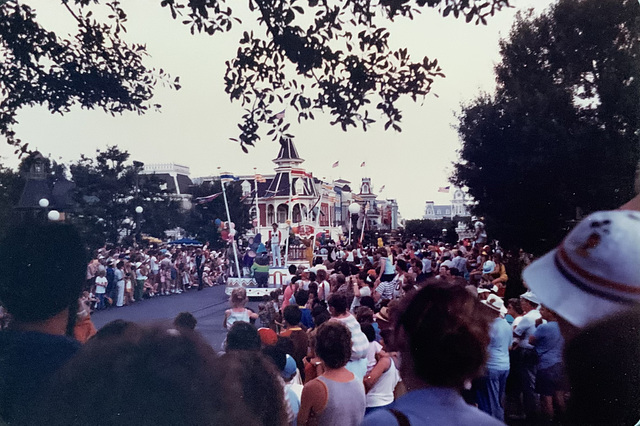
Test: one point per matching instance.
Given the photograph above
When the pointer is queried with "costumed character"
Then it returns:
(260, 267)
(275, 238)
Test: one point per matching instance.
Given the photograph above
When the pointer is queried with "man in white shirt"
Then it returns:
(526, 353)
(275, 237)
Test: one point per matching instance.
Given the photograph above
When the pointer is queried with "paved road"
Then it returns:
(207, 306)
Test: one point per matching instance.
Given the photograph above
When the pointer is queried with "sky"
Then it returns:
(196, 122)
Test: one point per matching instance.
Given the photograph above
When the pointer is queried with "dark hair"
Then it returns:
(259, 387)
(515, 303)
(243, 336)
(42, 270)
(302, 296)
(446, 333)
(369, 331)
(116, 368)
(321, 275)
(292, 314)
(320, 314)
(364, 314)
(368, 302)
(363, 275)
(338, 301)
(402, 265)
(276, 355)
(312, 276)
(186, 320)
(333, 344)
(293, 269)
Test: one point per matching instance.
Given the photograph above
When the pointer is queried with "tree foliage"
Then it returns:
(108, 190)
(307, 55)
(200, 221)
(433, 229)
(559, 137)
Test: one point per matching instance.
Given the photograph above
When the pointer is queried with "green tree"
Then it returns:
(200, 220)
(311, 56)
(432, 229)
(108, 190)
(559, 137)
(11, 185)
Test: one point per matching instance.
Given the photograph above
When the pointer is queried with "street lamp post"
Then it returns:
(354, 208)
(139, 211)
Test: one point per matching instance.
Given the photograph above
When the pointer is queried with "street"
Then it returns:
(207, 306)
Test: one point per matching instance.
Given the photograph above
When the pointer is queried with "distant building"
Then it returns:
(460, 206)
(175, 180)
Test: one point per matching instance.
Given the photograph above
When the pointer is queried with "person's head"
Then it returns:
(312, 276)
(368, 302)
(256, 379)
(340, 279)
(364, 314)
(274, 226)
(292, 315)
(320, 314)
(238, 297)
(401, 266)
(185, 320)
(321, 275)
(528, 302)
(513, 307)
(369, 331)
(117, 367)
(302, 297)
(243, 336)
(442, 333)
(333, 344)
(42, 271)
(293, 269)
(595, 267)
(337, 304)
(444, 271)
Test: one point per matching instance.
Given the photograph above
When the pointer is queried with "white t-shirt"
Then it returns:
(382, 392)
(526, 327)
(101, 285)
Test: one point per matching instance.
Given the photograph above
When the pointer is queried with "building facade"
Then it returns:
(460, 206)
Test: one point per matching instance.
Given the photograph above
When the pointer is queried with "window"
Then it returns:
(282, 213)
(270, 215)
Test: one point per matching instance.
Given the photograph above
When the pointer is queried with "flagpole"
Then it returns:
(315, 229)
(364, 222)
(255, 181)
(233, 241)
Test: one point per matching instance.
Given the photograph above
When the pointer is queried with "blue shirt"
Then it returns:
(501, 335)
(549, 344)
(432, 406)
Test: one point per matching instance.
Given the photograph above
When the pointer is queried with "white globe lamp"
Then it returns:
(44, 203)
(54, 215)
(139, 209)
(354, 208)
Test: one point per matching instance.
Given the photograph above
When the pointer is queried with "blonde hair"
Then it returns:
(238, 297)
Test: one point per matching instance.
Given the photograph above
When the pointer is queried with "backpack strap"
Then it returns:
(401, 418)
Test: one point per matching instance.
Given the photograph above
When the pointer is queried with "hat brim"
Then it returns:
(561, 296)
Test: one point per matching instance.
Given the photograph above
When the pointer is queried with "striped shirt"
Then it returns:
(359, 341)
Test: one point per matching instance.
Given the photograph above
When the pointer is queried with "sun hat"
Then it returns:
(594, 272)
(495, 303)
(488, 267)
(531, 297)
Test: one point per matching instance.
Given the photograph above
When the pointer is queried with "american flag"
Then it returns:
(259, 178)
(363, 164)
(208, 198)
(299, 172)
(336, 164)
(444, 189)
(382, 188)
(280, 115)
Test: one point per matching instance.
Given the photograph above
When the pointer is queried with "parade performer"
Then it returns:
(275, 237)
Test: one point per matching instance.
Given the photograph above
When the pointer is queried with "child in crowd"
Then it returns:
(101, 288)
(238, 311)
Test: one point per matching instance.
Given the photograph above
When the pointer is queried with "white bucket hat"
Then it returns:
(594, 272)
(495, 303)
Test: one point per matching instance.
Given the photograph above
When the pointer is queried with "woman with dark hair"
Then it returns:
(442, 334)
(337, 396)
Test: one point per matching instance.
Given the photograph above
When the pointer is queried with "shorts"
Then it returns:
(550, 380)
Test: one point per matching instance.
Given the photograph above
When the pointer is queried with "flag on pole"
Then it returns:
(382, 188)
(292, 200)
(363, 164)
(336, 164)
(228, 177)
(208, 198)
(259, 178)
(444, 189)
(280, 115)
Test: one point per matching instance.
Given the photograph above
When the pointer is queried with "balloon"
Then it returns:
(232, 232)
(232, 225)
(217, 222)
